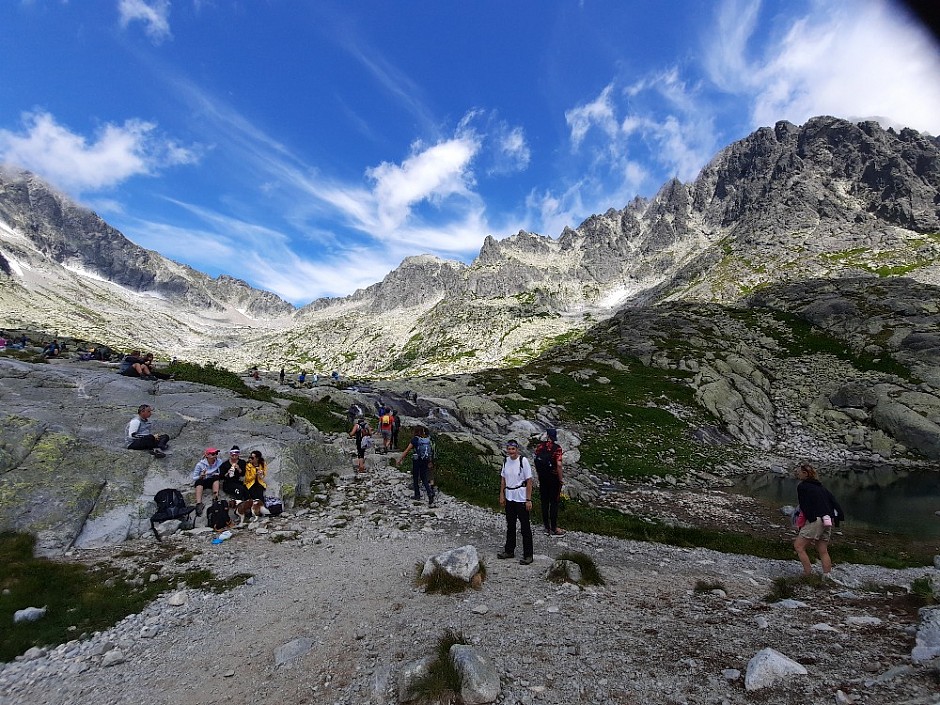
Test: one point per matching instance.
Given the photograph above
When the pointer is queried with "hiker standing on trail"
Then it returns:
(362, 432)
(515, 494)
(548, 468)
(420, 463)
(140, 435)
(281, 376)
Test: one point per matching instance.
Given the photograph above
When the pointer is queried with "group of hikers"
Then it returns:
(240, 479)
(818, 512)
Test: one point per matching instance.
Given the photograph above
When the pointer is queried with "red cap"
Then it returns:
(212, 451)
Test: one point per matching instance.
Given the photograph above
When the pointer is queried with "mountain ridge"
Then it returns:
(829, 198)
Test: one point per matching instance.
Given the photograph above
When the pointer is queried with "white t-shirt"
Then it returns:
(516, 473)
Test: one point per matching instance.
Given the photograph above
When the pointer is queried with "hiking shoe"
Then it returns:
(431, 500)
(526, 560)
(548, 532)
(157, 453)
(503, 554)
(558, 532)
(199, 508)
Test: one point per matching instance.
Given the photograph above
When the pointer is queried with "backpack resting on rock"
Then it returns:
(170, 505)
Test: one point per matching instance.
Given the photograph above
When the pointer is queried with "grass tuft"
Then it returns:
(922, 590)
(440, 582)
(442, 682)
(590, 575)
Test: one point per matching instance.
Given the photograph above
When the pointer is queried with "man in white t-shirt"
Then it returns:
(515, 494)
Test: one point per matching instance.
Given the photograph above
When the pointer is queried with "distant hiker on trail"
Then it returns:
(396, 427)
(515, 494)
(420, 463)
(820, 512)
(353, 413)
(233, 475)
(256, 473)
(140, 435)
(206, 476)
(302, 378)
(385, 427)
(281, 376)
(548, 468)
(362, 432)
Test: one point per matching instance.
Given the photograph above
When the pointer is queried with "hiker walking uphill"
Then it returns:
(515, 494)
(420, 463)
(548, 467)
(362, 432)
(385, 427)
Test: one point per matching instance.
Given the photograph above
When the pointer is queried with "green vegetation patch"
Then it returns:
(79, 599)
(216, 376)
(441, 683)
(325, 414)
(590, 575)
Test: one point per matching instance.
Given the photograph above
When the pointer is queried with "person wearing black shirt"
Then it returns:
(233, 475)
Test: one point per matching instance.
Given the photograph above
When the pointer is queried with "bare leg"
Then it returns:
(799, 545)
(198, 494)
(822, 547)
(215, 490)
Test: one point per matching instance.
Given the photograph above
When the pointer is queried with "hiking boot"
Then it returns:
(503, 554)
(431, 500)
(199, 508)
(558, 532)
(157, 453)
(526, 560)
(548, 532)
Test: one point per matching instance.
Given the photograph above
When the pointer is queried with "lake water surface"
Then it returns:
(877, 496)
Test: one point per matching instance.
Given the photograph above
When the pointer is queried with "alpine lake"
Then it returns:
(898, 504)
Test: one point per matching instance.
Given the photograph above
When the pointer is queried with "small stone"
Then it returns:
(113, 658)
(178, 599)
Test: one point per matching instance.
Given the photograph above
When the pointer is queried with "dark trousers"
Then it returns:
(548, 492)
(419, 471)
(234, 488)
(514, 511)
(149, 442)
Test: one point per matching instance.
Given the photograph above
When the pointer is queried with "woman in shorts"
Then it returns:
(821, 512)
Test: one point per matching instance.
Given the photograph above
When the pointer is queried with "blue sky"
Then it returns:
(308, 147)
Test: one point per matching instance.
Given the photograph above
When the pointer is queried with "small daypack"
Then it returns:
(423, 449)
(217, 515)
(170, 505)
(545, 460)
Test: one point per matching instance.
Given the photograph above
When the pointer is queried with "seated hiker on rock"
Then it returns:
(133, 365)
(140, 435)
(52, 349)
(233, 475)
(206, 476)
(256, 473)
(151, 367)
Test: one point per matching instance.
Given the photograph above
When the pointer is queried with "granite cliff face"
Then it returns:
(827, 199)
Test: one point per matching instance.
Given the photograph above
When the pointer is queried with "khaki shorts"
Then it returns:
(816, 531)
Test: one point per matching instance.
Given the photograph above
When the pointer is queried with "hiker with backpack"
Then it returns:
(515, 494)
(420, 463)
(548, 468)
(140, 435)
(362, 432)
(396, 428)
(385, 427)
(206, 475)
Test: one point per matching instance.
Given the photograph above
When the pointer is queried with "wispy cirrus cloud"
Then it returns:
(155, 16)
(74, 163)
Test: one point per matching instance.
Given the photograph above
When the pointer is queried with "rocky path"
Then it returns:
(332, 613)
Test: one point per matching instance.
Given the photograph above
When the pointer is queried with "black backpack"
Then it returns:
(170, 505)
(218, 517)
(545, 460)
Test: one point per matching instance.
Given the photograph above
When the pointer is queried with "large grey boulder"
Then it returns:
(462, 563)
(909, 427)
(67, 477)
(927, 644)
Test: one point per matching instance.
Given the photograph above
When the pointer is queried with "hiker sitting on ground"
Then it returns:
(206, 476)
(140, 435)
(133, 365)
(52, 350)
(233, 475)
(151, 366)
(256, 473)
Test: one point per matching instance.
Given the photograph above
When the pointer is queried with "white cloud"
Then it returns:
(70, 161)
(429, 174)
(598, 113)
(512, 150)
(859, 59)
(154, 15)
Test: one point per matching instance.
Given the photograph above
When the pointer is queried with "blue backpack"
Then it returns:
(423, 450)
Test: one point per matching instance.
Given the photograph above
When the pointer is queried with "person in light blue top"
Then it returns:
(207, 474)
